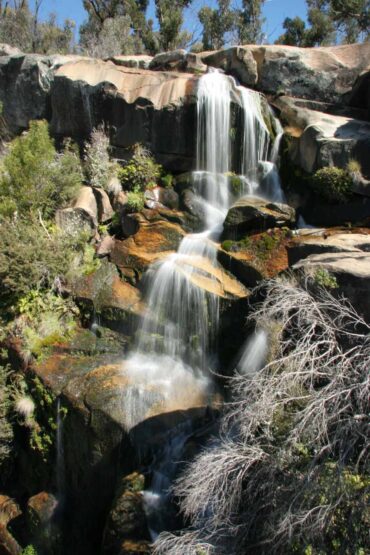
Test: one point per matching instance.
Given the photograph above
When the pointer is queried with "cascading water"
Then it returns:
(173, 354)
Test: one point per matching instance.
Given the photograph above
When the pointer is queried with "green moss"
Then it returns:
(324, 278)
(332, 184)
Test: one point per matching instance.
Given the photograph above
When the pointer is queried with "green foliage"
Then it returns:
(332, 184)
(31, 259)
(135, 201)
(141, 172)
(29, 550)
(34, 178)
(6, 429)
(354, 166)
(324, 278)
(216, 22)
(99, 168)
(167, 180)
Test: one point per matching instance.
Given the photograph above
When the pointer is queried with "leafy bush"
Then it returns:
(141, 172)
(29, 550)
(33, 258)
(34, 177)
(100, 168)
(354, 166)
(135, 201)
(167, 180)
(332, 184)
(323, 278)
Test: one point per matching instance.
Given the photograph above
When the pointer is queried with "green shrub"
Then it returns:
(135, 201)
(228, 245)
(167, 180)
(236, 184)
(354, 166)
(332, 184)
(34, 177)
(323, 278)
(33, 258)
(141, 172)
(99, 167)
(29, 550)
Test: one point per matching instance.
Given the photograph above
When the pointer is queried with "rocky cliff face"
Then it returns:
(321, 98)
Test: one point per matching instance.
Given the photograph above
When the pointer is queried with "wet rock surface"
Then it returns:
(256, 214)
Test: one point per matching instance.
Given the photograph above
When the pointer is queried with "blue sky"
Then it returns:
(275, 12)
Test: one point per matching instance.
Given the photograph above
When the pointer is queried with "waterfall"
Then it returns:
(253, 353)
(173, 355)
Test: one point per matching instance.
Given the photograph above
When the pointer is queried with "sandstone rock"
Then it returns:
(241, 267)
(152, 240)
(9, 510)
(324, 73)
(138, 105)
(319, 139)
(327, 242)
(41, 512)
(256, 214)
(86, 202)
(118, 302)
(352, 272)
(105, 210)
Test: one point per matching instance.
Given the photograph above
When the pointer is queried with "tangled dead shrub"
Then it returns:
(289, 472)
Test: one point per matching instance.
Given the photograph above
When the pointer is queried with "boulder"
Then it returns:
(153, 108)
(126, 519)
(178, 60)
(9, 510)
(118, 303)
(152, 239)
(238, 61)
(318, 139)
(74, 220)
(160, 197)
(105, 246)
(105, 210)
(86, 202)
(352, 272)
(359, 97)
(323, 73)
(256, 214)
(42, 522)
(354, 212)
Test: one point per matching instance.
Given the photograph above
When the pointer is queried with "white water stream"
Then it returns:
(174, 351)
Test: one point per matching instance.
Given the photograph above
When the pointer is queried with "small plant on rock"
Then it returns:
(100, 168)
(141, 172)
(332, 184)
(135, 201)
(324, 278)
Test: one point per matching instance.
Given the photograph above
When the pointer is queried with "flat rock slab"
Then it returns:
(352, 271)
(304, 246)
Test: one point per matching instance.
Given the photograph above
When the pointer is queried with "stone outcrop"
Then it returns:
(9, 510)
(324, 73)
(256, 214)
(318, 139)
(25, 83)
(154, 108)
